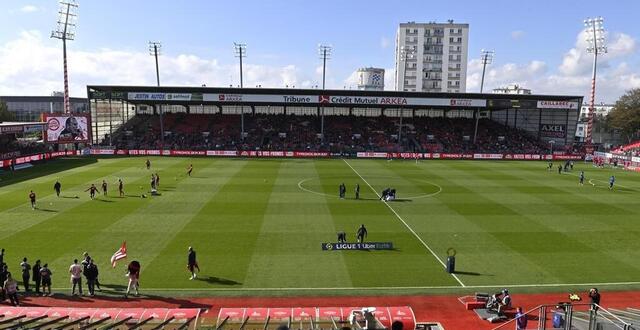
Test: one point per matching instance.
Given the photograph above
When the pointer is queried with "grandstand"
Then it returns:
(201, 118)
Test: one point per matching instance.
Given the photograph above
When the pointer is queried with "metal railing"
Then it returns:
(572, 317)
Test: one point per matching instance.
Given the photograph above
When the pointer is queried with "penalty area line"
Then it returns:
(405, 224)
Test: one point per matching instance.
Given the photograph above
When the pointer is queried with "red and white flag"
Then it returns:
(120, 254)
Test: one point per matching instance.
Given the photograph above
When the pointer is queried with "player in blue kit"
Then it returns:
(612, 180)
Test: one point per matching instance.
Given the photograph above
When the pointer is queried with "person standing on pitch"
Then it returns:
(342, 190)
(192, 263)
(148, 163)
(35, 275)
(189, 169)
(57, 187)
(26, 269)
(121, 187)
(361, 234)
(581, 178)
(133, 272)
(76, 277)
(91, 274)
(612, 180)
(32, 198)
(86, 260)
(357, 191)
(45, 273)
(153, 182)
(157, 181)
(104, 188)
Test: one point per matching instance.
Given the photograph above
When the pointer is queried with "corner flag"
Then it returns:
(120, 254)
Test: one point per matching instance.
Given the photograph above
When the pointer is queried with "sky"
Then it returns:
(538, 44)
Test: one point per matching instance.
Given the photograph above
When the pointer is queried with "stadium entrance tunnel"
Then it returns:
(407, 189)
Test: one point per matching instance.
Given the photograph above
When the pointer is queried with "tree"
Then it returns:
(625, 115)
(5, 115)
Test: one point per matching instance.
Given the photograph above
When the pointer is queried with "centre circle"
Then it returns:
(307, 185)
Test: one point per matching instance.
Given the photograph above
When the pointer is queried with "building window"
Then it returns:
(451, 31)
(451, 39)
(459, 30)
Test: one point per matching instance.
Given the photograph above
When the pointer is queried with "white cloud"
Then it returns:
(352, 80)
(572, 76)
(578, 61)
(32, 65)
(385, 42)
(29, 9)
(517, 34)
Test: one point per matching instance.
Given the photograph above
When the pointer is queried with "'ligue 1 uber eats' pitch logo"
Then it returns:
(329, 246)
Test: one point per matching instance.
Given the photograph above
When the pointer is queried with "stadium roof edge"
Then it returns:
(337, 92)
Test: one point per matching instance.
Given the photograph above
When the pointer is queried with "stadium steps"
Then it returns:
(581, 321)
(627, 315)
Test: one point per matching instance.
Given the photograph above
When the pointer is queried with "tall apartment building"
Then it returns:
(437, 60)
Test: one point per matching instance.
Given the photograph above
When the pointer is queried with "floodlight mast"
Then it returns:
(325, 53)
(241, 52)
(486, 58)
(155, 48)
(406, 53)
(597, 45)
(65, 30)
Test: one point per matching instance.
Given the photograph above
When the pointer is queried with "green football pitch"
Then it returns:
(257, 224)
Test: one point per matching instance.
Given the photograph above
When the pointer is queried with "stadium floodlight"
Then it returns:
(595, 34)
(406, 53)
(240, 50)
(486, 57)
(155, 48)
(325, 53)
(66, 30)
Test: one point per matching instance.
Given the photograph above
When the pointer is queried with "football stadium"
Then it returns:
(234, 208)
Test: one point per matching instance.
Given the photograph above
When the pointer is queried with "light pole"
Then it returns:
(241, 52)
(155, 48)
(487, 58)
(65, 30)
(405, 54)
(325, 54)
(596, 39)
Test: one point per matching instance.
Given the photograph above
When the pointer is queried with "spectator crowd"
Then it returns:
(343, 134)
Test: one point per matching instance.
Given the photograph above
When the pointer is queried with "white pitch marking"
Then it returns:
(405, 224)
(301, 187)
(444, 287)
